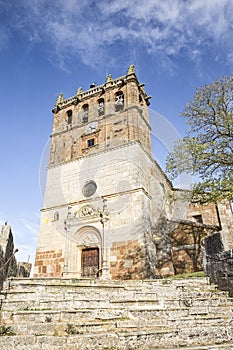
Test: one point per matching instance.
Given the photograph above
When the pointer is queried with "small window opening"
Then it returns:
(90, 142)
(198, 219)
(119, 101)
(56, 216)
(140, 100)
(101, 106)
(69, 115)
(85, 113)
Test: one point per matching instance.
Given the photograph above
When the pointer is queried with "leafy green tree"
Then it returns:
(207, 150)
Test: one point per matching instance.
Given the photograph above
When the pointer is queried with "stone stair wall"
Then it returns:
(218, 263)
(52, 314)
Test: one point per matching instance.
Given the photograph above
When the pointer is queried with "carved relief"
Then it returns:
(86, 211)
(88, 236)
(89, 239)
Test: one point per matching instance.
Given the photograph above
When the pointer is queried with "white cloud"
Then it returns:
(31, 226)
(25, 232)
(4, 36)
(26, 253)
(168, 28)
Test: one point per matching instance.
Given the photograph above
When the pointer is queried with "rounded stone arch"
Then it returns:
(89, 252)
(119, 101)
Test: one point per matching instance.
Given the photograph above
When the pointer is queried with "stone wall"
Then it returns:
(49, 263)
(114, 127)
(129, 261)
(111, 152)
(217, 214)
(120, 175)
(218, 263)
(8, 263)
(179, 246)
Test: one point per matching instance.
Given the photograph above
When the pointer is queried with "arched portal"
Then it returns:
(89, 252)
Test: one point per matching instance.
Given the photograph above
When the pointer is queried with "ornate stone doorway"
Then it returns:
(88, 252)
(90, 262)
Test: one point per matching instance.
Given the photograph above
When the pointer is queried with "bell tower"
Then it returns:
(97, 203)
(100, 118)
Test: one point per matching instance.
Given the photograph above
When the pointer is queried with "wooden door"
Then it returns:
(90, 262)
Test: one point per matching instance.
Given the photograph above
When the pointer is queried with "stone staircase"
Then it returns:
(52, 314)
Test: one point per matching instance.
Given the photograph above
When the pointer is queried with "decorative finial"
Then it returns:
(108, 78)
(131, 69)
(79, 91)
(60, 99)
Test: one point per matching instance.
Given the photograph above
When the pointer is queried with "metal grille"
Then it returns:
(90, 262)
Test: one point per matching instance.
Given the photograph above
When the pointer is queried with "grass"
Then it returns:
(4, 330)
(75, 280)
(188, 275)
(71, 329)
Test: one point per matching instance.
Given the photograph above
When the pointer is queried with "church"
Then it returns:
(109, 210)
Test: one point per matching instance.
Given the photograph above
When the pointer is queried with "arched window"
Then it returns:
(56, 216)
(101, 106)
(119, 101)
(69, 116)
(85, 113)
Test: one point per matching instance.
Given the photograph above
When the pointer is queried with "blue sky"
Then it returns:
(48, 47)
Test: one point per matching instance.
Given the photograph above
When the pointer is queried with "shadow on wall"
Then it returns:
(179, 245)
(218, 263)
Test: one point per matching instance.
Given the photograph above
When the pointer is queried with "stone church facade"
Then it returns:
(109, 210)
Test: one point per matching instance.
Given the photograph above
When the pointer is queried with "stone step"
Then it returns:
(163, 339)
(88, 281)
(225, 346)
(144, 286)
(62, 328)
(167, 315)
(77, 327)
(55, 314)
(48, 316)
(48, 291)
(61, 300)
(62, 291)
(180, 312)
(12, 303)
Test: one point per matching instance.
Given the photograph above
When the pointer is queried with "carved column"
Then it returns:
(104, 218)
(67, 246)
